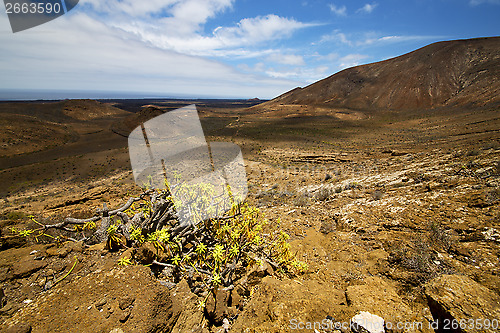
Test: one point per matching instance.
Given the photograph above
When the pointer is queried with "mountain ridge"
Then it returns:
(450, 73)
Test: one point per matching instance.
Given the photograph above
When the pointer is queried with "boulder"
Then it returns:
(253, 277)
(217, 306)
(456, 297)
(27, 267)
(191, 319)
(7, 242)
(126, 298)
(3, 299)
(60, 252)
(19, 328)
(147, 252)
(365, 322)
(379, 296)
(277, 305)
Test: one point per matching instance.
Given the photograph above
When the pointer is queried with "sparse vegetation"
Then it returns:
(13, 216)
(439, 236)
(324, 193)
(407, 238)
(377, 195)
(209, 253)
(301, 200)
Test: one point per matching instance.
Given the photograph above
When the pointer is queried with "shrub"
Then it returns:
(302, 200)
(211, 249)
(439, 237)
(324, 193)
(377, 195)
(15, 216)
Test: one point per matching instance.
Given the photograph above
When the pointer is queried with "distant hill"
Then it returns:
(452, 73)
(63, 111)
(29, 127)
(128, 124)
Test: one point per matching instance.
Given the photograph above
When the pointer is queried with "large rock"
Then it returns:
(19, 263)
(379, 297)
(284, 305)
(217, 306)
(365, 322)
(18, 328)
(455, 297)
(191, 318)
(63, 251)
(7, 242)
(126, 298)
(147, 252)
(3, 299)
(27, 267)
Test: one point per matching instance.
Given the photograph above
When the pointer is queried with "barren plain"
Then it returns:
(395, 211)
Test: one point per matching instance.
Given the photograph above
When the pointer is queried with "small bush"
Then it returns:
(15, 216)
(377, 195)
(352, 186)
(439, 237)
(301, 200)
(417, 258)
(324, 193)
(473, 152)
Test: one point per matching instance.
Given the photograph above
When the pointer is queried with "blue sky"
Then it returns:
(226, 48)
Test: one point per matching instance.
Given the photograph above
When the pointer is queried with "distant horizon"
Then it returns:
(7, 94)
(225, 48)
(19, 95)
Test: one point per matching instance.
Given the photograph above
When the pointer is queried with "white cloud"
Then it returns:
(223, 41)
(189, 10)
(395, 39)
(372, 38)
(259, 29)
(340, 11)
(367, 8)
(480, 2)
(332, 56)
(158, 46)
(336, 36)
(351, 60)
(309, 75)
(78, 52)
(287, 59)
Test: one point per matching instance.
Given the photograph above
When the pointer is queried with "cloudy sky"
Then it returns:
(225, 48)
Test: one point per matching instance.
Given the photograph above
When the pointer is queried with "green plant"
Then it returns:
(208, 252)
(136, 235)
(439, 237)
(113, 236)
(124, 261)
(222, 244)
(25, 233)
(15, 215)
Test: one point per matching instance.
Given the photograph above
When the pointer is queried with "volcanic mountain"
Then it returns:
(451, 73)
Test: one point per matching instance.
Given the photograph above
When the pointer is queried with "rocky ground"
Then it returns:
(402, 231)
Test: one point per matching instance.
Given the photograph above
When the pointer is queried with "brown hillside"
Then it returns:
(89, 109)
(452, 73)
(128, 124)
(43, 128)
